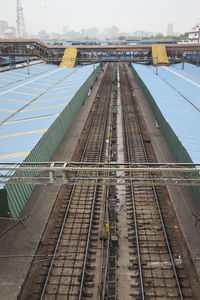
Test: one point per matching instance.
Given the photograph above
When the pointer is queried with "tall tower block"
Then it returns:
(21, 30)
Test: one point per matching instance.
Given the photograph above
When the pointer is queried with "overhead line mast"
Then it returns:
(21, 30)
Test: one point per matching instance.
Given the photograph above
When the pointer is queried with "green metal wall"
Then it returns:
(3, 203)
(176, 146)
(17, 195)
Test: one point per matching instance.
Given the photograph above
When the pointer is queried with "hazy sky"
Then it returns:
(128, 15)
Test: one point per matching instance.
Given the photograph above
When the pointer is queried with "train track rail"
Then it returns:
(156, 264)
(79, 256)
(75, 225)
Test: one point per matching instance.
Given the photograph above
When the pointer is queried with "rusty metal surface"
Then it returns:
(90, 53)
(131, 48)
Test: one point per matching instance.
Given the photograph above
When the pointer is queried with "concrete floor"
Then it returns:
(23, 239)
(185, 205)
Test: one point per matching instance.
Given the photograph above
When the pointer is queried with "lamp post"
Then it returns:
(28, 70)
(157, 66)
(198, 44)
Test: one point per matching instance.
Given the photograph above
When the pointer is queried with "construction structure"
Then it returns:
(21, 28)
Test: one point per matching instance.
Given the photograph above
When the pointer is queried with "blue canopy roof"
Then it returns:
(177, 94)
(29, 104)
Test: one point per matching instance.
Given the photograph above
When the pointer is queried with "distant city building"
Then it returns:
(54, 36)
(65, 31)
(3, 27)
(92, 32)
(74, 35)
(6, 30)
(43, 35)
(84, 33)
(170, 29)
(111, 32)
(194, 35)
(142, 34)
(10, 32)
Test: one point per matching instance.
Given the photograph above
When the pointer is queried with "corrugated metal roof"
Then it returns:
(177, 94)
(18, 76)
(29, 107)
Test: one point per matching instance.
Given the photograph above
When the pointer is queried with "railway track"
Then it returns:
(156, 264)
(71, 237)
(139, 257)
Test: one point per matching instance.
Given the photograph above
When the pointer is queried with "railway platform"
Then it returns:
(34, 217)
(22, 238)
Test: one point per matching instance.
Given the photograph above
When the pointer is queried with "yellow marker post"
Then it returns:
(107, 228)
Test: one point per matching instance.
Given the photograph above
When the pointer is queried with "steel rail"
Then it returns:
(103, 289)
(92, 213)
(162, 221)
(67, 210)
(107, 252)
(133, 199)
(159, 210)
(94, 193)
(60, 233)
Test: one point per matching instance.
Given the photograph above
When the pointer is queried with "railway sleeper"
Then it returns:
(87, 293)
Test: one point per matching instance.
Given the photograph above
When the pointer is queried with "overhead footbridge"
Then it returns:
(95, 53)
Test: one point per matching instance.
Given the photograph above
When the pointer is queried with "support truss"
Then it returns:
(76, 173)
